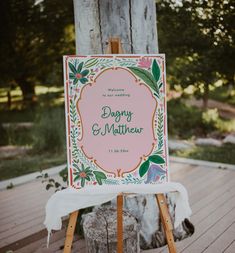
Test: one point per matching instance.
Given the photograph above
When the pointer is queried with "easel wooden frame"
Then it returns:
(114, 47)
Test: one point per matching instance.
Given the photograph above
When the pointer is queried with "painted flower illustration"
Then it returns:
(154, 174)
(82, 174)
(145, 63)
(77, 74)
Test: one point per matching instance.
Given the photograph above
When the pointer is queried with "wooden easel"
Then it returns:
(114, 47)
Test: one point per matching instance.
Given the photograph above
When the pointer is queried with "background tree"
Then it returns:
(198, 38)
(34, 35)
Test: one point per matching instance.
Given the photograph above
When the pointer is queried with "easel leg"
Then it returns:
(119, 224)
(70, 232)
(166, 220)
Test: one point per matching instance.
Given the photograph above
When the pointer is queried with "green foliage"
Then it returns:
(224, 94)
(210, 117)
(30, 162)
(10, 186)
(201, 52)
(49, 131)
(186, 121)
(15, 135)
(224, 154)
(183, 121)
(36, 35)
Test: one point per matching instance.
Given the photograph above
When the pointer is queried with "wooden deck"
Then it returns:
(211, 194)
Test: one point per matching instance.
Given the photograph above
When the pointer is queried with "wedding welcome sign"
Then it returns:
(116, 120)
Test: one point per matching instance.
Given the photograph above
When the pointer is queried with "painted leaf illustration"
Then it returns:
(72, 68)
(80, 67)
(144, 168)
(145, 76)
(156, 159)
(91, 62)
(99, 176)
(156, 70)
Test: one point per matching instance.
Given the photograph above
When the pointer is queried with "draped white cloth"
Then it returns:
(69, 200)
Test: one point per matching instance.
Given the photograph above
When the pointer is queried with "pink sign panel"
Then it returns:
(116, 120)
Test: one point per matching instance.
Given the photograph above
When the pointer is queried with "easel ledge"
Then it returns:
(114, 47)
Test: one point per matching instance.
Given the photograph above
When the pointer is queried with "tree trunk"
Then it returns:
(134, 22)
(100, 231)
(28, 91)
(205, 96)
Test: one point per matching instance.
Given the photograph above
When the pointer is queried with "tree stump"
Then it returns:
(100, 231)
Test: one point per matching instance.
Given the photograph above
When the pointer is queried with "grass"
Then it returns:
(224, 154)
(18, 166)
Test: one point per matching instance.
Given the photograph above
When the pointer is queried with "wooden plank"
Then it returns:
(230, 248)
(217, 229)
(210, 184)
(21, 232)
(19, 223)
(13, 210)
(41, 243)
(211, 196)
(143, 27)
(221, 242)
(20, 218)
(204, 223)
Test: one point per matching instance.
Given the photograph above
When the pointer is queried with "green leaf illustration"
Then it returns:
(145, 76)
(79, 67)
(91, 62)
(156, 70)
(85, 72)
(99, 176)
(144, 168)
(83, 80)
(156, 159)
(72, 68)
(71, 75)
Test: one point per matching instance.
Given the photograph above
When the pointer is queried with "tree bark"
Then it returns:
(100, 231)
(133, 21)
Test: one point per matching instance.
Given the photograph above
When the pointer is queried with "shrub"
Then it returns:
(49, 130)
(183, 121)
(210, 118)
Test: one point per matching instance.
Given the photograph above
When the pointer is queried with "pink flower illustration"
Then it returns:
(145, 63)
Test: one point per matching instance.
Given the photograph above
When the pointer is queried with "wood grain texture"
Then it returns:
(143, 27)
(70, 232)
(115, 22)
(87, 29)
(133, 21)
(100, 230)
